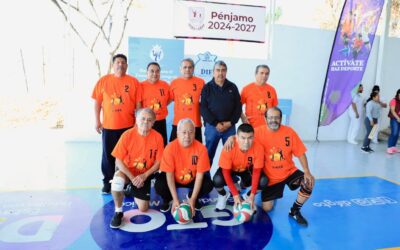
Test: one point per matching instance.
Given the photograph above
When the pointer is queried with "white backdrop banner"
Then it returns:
(220, 21)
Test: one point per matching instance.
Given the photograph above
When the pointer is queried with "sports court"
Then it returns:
(355, 206)
(50, 181)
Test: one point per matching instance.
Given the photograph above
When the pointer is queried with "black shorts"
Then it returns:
(245, 177)
(142, 193)
(276, 191)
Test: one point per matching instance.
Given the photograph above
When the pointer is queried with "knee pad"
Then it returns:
(117, 184)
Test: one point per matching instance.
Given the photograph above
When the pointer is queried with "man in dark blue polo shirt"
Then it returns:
(220, 108)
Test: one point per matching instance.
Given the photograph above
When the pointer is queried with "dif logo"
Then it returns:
(156, 230)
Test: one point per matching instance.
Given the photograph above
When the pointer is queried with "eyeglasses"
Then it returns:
(271, 118)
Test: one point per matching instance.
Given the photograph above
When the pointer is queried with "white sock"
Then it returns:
(118, 209)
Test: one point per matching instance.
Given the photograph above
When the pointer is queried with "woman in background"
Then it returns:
(373, 112)
(394, 115)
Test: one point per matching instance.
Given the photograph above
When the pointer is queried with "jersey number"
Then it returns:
(195, 159)
(287, 141)
(151, 153)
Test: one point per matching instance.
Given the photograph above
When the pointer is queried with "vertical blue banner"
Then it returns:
(166, 52)
(352, 45)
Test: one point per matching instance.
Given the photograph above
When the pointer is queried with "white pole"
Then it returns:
(382, 40)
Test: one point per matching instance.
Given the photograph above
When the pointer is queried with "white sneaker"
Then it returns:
(353, 142)
(222, 199)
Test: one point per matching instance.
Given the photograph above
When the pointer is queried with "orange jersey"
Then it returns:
(186, 95)
(279, 148)
(118, 96)
(238, 161)
(185, 163)
(257, 100)
(156, 97)
(139, 152)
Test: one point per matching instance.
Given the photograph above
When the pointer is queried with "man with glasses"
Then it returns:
(280, 144)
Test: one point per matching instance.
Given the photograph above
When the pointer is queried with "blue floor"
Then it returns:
(346, 213)
(50, 199)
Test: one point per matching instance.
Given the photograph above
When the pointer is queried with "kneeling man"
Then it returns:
(246, 161)
(184, 163)
(138, 155)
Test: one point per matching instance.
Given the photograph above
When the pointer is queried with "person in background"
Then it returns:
(355, 113)
(373, 112)
(383, 104)
(394, 115)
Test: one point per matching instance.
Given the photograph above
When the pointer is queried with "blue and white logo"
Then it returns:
(158, 230)
(156, 53)
(204, 65)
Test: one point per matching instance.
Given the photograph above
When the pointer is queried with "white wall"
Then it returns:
(298, 64)
(298, 68)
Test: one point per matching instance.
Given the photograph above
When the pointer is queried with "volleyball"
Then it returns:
(183, 214)
(243, 212)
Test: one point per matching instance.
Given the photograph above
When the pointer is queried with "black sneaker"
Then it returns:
(296, 215)
(365, 150)
(370, 150)
(106, 188)
(116, 221)
(165, 206)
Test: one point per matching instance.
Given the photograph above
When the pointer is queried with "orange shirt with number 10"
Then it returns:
(186, 95)
(185, 163)
(258, 99)
(279, 148)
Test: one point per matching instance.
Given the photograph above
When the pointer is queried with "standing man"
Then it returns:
(258, 97)
(280, 144)
(220, 108)
(185, 92)
(155, 95)
(138, 155)
(244, 160)
(184, 164)
(355, 113)
(117, 95)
